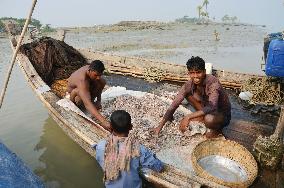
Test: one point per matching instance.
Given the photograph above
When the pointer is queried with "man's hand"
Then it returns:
(106, 125)
(183, 126)
(156, 130)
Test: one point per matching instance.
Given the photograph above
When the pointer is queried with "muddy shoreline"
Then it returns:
(239, 48)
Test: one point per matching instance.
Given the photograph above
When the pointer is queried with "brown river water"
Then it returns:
(28, 130)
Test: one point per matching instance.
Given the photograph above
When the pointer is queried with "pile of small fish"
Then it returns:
(146, 113)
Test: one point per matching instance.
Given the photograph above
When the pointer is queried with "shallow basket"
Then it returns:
(230, 150)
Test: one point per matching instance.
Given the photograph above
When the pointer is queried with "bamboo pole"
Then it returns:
(136, 72)
(15, 52)
(279, 130)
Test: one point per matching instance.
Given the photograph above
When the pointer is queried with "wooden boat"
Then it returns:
(161, 71)
(83, 131)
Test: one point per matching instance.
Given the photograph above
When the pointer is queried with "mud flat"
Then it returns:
(239, 48)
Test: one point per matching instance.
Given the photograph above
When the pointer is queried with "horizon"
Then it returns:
(88, 13)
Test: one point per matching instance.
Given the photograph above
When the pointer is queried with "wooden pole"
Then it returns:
(278, 133)
(15, 53)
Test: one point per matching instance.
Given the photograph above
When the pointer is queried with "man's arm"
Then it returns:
(102, 84)
(85, 95)
(100, 151)
(213, 96)
(171, 110)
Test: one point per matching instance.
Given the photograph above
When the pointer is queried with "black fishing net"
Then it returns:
(53, 59)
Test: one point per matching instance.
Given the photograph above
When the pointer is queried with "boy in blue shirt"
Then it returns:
(121, 156)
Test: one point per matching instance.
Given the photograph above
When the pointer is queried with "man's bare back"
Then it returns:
(85, 85)
(77, 78)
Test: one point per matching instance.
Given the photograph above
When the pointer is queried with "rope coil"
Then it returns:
(264, 91)
(153, 74)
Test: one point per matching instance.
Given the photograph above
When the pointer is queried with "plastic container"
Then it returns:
(275, 59)
(208, 67)
(246, 95)
(267, 41)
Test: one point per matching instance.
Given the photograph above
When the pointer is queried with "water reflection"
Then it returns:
(65, 163)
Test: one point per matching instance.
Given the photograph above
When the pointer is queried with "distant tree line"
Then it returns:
(47, 28)
(203, 15)
(186, 19)
(21, 22)
(229, 19)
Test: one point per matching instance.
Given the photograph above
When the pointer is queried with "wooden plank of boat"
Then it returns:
(86, 133)
(246, 132)
(135, 66)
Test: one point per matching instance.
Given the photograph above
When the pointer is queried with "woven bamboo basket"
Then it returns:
(230, 150)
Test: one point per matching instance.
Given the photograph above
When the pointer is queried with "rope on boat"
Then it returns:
(15, 52)
(269, 150)
(264, 91)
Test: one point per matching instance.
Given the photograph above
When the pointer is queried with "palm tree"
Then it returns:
(205, 3)
(199, 9)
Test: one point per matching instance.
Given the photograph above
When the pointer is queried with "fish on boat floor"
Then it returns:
(244, 127)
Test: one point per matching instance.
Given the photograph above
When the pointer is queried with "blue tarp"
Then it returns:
(14, 173)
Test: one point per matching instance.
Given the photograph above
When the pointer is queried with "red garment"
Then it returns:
(214, 97)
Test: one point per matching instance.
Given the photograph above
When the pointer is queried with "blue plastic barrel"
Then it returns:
(275, 59)
(267, 41)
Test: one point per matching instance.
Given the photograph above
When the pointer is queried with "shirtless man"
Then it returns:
(85, 85)
(206, 95)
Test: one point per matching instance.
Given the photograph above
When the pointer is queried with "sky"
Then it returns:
(93, 12)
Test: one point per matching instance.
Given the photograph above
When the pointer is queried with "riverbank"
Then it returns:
(234, 47)
(144, 25)
(239, 48)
